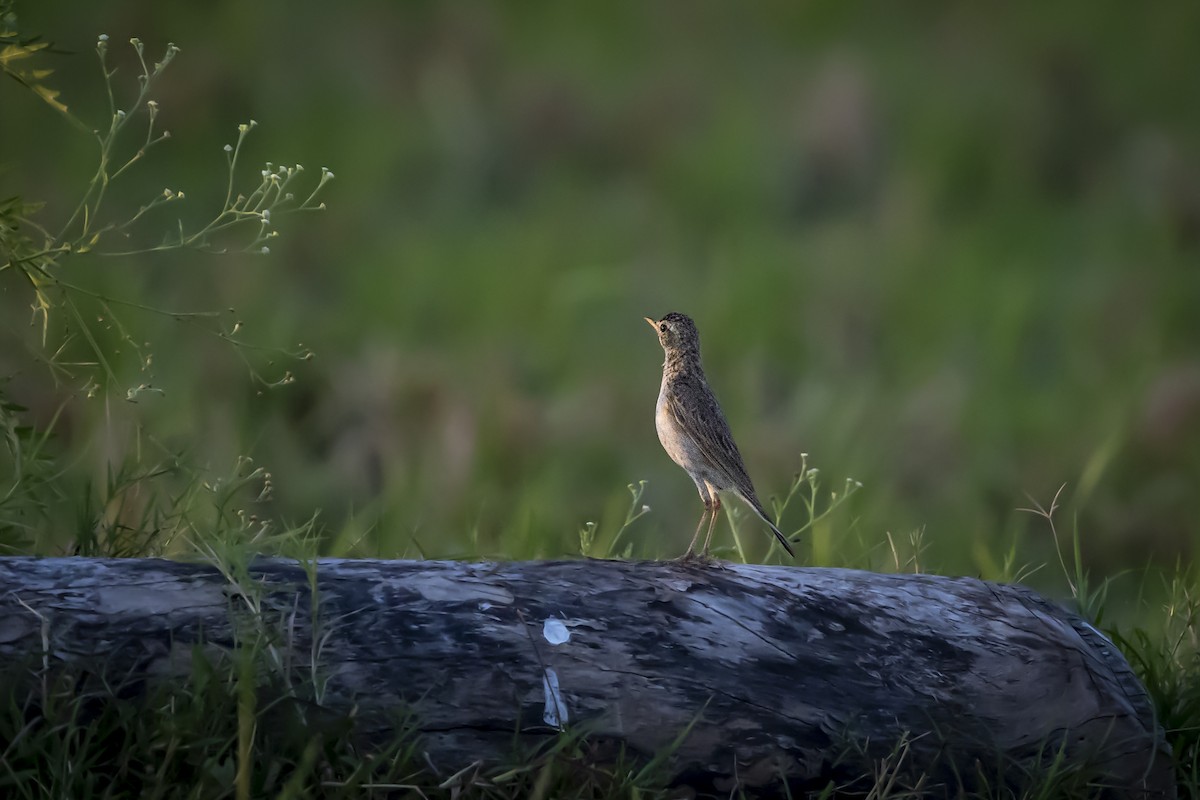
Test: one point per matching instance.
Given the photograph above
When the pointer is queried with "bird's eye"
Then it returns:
(662, 326)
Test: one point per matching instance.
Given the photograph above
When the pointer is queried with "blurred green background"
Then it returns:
(948, 250)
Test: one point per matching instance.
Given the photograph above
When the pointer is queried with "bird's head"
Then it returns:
(676, 333)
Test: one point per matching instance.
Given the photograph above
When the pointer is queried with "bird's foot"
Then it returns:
(699, 560)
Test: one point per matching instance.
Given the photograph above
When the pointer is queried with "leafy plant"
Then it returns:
(38, 253)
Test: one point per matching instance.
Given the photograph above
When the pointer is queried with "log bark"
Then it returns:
(800, 675)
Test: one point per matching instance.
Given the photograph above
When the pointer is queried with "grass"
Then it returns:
(948, 252)
(956, 334)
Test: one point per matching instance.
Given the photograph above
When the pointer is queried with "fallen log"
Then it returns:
(808, 676)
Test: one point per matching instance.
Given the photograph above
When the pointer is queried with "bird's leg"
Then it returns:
(712, 523)
(696, 536)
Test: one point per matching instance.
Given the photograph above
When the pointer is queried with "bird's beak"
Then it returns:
(651, 323)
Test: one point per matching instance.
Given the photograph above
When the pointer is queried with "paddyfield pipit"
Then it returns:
(694, 432)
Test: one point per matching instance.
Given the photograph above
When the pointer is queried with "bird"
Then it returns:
(694, 432)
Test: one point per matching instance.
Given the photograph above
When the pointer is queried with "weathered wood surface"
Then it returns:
(808, 673)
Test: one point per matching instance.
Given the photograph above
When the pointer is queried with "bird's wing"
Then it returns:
(696, 410)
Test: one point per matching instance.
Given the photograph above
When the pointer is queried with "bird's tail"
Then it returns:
(782, 539)
(758, 509)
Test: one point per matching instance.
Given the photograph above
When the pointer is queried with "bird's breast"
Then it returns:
(669, 433)
(661, 417)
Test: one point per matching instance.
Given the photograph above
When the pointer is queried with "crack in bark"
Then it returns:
(790, 656)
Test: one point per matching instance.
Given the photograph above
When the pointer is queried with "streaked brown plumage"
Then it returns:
(693, 429)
